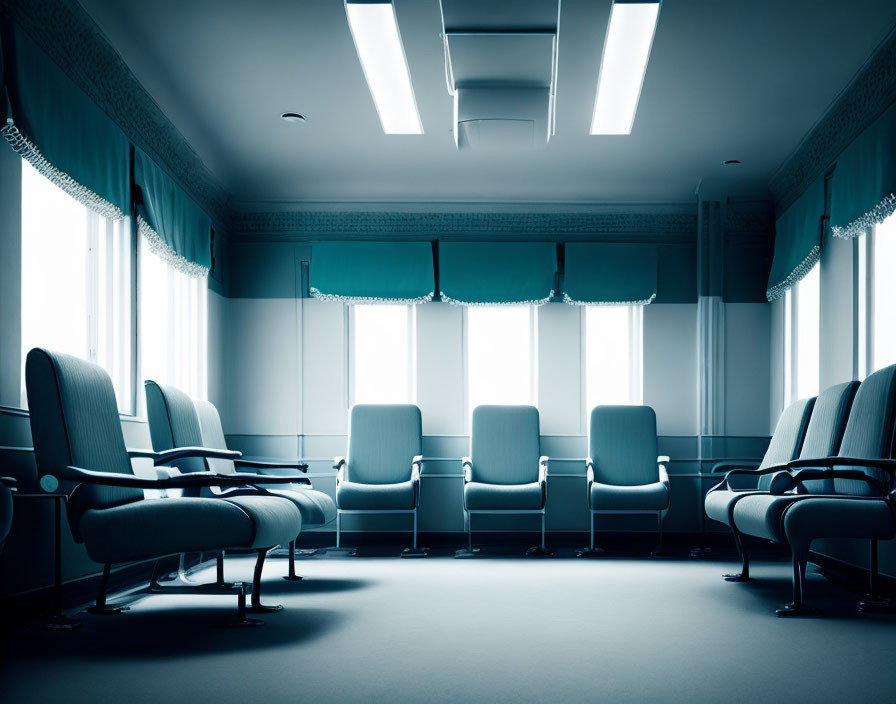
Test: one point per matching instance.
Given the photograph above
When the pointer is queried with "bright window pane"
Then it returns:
(499, 355)
(808, 301)
(884, 335)
(381, 354)
(76, 281)
(612, 356)
(173, 325)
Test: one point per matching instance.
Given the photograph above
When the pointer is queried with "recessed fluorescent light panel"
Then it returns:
(622, 67)
(374, 28)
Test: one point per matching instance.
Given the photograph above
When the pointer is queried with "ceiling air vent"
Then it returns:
(501, 69)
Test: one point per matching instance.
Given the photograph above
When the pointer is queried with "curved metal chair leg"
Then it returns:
(101, 607)
(257, 607)
(744, 574)
(292, 576)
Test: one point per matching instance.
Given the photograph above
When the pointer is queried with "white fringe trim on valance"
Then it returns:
(795, 276)
(26, 149)
(161, 248)
(875, 216)
(643, 302)
(360, 300)
(455, 302)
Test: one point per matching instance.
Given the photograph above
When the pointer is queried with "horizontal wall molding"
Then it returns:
(868, 95)
(64, 30)
(647, 222)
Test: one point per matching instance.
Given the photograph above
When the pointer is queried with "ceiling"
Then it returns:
(726, 80)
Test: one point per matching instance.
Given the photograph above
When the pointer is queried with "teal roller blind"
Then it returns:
(176, 228)
(359, 272)
(863, 187)
(797, 241)
(610, 273)
(474, 273)
(60, 131)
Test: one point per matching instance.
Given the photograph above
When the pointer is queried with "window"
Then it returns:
(802, 323)
(876, 335)
(883, 332)
(613, 355)
(500, 355)
(173, 324)
(382, 353)
(76, 282)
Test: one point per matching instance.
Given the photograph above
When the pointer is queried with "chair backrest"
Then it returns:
(173, 422)
(789, 434)
(825, 431)
(382, 441)
(869, 430)
(622, 443)
(75, 422)
(505, 444)
(213, 436)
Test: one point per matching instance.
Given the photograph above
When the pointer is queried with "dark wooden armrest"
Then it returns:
(260, 464)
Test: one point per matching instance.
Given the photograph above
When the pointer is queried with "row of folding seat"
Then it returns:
(505, 473)
(828, 473)
(78, 441)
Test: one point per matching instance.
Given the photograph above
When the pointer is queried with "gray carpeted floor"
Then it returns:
(491, 630)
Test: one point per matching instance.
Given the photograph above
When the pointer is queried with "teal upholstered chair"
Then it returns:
(505, 472)
(77, 437)
(806, 428)
(624, 473)
(176, 420)
(381, 473)
(849, 491)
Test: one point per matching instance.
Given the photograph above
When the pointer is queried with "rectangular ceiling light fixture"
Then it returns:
(374, 29)
(622, 67)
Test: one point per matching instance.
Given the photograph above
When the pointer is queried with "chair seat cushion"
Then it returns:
(640, 497)
(316, 507)
(503, 497)
(718, 503)
(760, 515)
(838, 518)
(156, 527)
(354, 496)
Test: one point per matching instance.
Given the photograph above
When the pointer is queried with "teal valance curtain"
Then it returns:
(175, 227)
(610, 274)
(482, 273)
(372, 272)
(53, 125)
(797, 241)
(863, 187)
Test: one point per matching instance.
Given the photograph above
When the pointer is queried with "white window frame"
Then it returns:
(792, 341)
(411, 317)
(635, 343)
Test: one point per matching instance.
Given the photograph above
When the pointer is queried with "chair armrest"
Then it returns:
(664, 475)
(147, 454)
(728, 466)
(258, 464)
(9, 482)
(467, 464)
(415, 477)
(543, 469)
(663, 459)
(178, 453)
(782, 486)
(885, 464)
(50, 482)
(338, 462)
